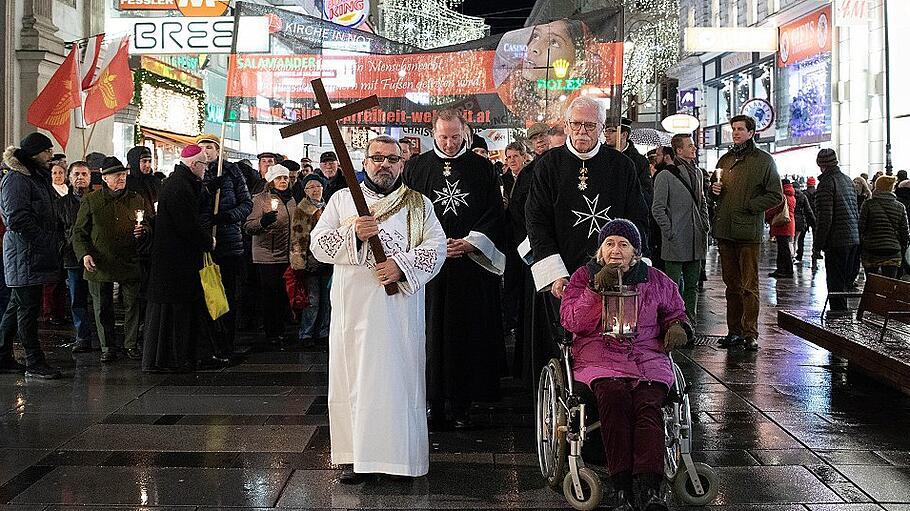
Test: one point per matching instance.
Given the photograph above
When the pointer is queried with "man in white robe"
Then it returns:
(377, 343)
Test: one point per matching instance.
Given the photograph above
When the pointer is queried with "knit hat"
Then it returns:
(112, 166)
(291, 165)
(312, 177)
(479, 142)
(885, 183)
(208, 137)
(190, 151)
(624, 228)
(95, 160)
(810, 181)
(35, 143)
(328, 156)
(826, 158)
(275, 171)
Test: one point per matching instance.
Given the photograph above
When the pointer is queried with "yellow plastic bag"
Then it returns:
(215, 298)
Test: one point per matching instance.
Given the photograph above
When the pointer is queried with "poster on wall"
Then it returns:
(507, 80)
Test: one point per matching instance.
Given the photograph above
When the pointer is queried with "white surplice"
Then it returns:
(377, 343)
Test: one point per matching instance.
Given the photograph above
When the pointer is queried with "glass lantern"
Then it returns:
(620, 311)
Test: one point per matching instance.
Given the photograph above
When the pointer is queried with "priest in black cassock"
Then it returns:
(465, 347)
(576, 189)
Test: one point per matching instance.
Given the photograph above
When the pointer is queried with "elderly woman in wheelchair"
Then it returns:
(622, 355)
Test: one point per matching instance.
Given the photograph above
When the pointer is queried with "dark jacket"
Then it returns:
(146, 185)
(180, 240)
(643, 169)
(789, 228)
(750, 186)
(883, 225)
(31, 243)
(333, 185)
(805, 216)
(254, 182)
(67, 208)
(836, 211)
(235, 205)
(903, 195)
(104, 230)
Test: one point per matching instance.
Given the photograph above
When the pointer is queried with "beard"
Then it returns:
(383, 179)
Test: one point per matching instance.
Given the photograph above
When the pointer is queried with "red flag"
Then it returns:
(112, 89)
(51, 109)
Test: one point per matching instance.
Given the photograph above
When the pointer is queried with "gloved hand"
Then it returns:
(268, 219)
(675, 337)
(214, 184)
(607, 278)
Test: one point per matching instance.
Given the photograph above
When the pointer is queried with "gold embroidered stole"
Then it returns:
(391, 204)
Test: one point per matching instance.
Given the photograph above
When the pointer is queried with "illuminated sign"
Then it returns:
(761, 111)
(805, 37)
(347, 13)
(162, 69)
(680, 123)
(177, 35)
(202, 8)
(559, 84)
(146, 5)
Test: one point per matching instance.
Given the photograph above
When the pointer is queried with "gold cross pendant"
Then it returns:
(583, 178)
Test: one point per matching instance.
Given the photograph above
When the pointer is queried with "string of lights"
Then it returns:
(429, 23)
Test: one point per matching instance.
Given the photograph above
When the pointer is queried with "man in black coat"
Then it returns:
(176, 311)
(30, 251)
(234, 205)
(141, 178)
(836, 227)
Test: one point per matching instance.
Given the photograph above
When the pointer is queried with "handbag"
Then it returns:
(215, 298)
(783, 216)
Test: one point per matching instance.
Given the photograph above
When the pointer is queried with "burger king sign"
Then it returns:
(347, 13)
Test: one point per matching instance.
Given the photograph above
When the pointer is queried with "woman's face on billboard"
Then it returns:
(548, 43)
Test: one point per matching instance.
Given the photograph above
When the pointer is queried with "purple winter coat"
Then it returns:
(603, 357)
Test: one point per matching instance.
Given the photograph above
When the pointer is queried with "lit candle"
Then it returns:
(140, 214)
(274, 204)
(718, 172)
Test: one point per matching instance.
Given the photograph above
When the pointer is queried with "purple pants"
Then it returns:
(631, 424)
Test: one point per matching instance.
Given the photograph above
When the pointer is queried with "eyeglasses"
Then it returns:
(377, 158)
(313, 187)
(577, 126)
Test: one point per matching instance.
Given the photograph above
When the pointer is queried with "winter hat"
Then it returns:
(112, 166)
(810, 181)
(885, 183)
(35, 143)
(312, 177)
(904, 184)
(624, 228)
(785, 181)
(190, 151)
(537, 129)
(479, 142)
(826, 158)
(291, 165)
(275, 171)
(95, 160)
(135, 154)
(328, 156)
(267, 154)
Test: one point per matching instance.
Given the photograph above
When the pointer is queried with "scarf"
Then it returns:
(742, 149)
(285, 196)
(400, 198)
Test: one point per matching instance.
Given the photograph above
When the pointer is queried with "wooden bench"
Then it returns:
(876, 340)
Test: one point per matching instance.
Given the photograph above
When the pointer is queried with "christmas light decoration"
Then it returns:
(428, 24)
(652, 43)
(156, 97)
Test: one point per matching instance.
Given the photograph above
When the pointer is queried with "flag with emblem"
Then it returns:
(112, 88)
(52, 109)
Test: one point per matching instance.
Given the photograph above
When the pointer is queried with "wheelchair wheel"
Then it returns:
(591, 490)
(673, 454)
(683, 487)
(552, 448)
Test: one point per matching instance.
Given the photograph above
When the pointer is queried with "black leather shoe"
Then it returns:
(10, 366)
(647, 493)
(730, 341)
(348, 476)
(133, 354)
(624, 501)
(43, 371)
(751, 344)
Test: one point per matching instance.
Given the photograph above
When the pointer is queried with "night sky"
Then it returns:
(501, 15)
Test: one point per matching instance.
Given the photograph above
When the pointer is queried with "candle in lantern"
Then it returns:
(274, 204)
(718, 172)
(140, 214)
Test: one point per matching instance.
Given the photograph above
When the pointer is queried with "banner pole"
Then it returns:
(224, 117)
(89, 141)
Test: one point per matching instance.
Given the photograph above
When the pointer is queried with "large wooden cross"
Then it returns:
(329, 118)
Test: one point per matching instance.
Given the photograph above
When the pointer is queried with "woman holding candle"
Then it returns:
(631, 372)
(270, 225)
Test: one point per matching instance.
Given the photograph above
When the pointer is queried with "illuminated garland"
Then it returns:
(653, 27)
(142, 76)
(429, 23)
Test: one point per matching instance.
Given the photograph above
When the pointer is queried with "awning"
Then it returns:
(166, 136)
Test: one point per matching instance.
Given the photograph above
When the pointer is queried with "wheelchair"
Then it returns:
(564, 423)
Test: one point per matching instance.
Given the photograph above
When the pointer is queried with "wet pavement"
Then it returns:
(787, 428)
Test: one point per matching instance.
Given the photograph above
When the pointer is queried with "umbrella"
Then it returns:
(650, 137)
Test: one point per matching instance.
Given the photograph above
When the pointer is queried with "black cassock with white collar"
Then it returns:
(465, 347)
(572, 197)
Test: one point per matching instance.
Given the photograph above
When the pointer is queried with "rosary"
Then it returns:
(583, 177)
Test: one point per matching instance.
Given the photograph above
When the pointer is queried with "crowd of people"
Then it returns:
(406, 298)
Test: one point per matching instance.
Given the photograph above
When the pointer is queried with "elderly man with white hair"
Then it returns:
(176, 306)
(576, 189)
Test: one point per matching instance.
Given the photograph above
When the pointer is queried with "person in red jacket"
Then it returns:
(783, 232)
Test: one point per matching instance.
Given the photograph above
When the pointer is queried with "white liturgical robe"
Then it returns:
(377, 343)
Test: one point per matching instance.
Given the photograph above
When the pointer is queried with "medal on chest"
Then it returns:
(447, 169)
(583, 177)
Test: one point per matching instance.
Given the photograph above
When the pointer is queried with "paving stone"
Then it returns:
(218, 405)
(785, 456)
(117, 437)
(884, 484)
